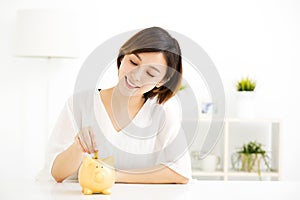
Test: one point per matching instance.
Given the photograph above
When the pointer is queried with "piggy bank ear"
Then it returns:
(87, 160)
(109, 161)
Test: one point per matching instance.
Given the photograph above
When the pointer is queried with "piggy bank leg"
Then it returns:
(87, 191)
(106, 191)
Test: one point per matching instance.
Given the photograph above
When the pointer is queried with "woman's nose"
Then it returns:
(137, 73)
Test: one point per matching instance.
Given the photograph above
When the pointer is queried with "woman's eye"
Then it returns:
(149, 74)
(133, 63)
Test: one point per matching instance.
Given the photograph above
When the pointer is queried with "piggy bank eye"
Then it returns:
(101, 166)
(97, 166)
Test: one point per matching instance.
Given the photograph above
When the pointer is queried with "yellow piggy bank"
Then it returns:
(96, 175)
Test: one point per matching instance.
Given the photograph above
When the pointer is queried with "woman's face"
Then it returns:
(140, 73)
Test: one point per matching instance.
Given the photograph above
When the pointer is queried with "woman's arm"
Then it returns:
(157, 174)
(67, 162)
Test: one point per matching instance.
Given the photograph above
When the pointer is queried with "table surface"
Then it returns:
(194, 190)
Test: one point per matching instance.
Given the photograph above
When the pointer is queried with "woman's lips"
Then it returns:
(129, 84)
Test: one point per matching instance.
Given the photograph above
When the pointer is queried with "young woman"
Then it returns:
(138, 120)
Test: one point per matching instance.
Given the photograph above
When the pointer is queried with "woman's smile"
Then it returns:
(129, 84)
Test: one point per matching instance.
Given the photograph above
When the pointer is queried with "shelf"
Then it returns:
(203, 173)
(245, 174)
(226, 175)
(253, 174)
(260, 120)
(236, 132)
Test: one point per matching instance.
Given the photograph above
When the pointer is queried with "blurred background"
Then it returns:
(258, 38)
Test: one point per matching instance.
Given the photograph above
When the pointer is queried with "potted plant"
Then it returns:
(245, 88)
(246, 85)
(249, 158)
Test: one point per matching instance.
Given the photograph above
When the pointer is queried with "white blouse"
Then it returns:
(153, 137)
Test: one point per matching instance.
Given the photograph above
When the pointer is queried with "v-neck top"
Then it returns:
(143, 117)
(153, 137)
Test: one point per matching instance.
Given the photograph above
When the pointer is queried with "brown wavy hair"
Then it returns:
(156, 39)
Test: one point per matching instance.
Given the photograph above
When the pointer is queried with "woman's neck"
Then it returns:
(132, 102)
(121, 109)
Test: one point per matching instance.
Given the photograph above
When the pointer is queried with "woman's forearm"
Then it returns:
(67, 162)
(157, 174)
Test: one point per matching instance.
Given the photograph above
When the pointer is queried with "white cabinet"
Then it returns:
(235, 133)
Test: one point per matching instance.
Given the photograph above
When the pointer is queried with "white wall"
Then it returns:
(257, 38)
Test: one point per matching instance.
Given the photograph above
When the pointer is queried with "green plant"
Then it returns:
(245, 84)
(182, 87)
(249, 157)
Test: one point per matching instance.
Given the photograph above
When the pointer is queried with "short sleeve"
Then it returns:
(174, 152)
(61, 138)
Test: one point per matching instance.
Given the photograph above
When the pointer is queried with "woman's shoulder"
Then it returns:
(172, 107)
(172, 104)
(81, 98)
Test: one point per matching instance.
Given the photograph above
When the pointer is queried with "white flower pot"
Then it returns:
(251, 162)
(245, 104)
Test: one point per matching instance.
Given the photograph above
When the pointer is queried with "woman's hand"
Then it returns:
(86, 140)
(67, 162)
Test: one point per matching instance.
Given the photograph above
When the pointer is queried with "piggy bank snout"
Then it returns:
(99, 177)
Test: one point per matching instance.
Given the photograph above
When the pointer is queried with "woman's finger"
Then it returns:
(88, 139)
(81, 143)
(85, 139)
(93, 140)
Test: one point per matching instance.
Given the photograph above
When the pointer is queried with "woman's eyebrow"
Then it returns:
(138, 56)
(154, 68)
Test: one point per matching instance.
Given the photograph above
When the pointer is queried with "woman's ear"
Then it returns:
(162, 82)
(159, 84)
(121, 59)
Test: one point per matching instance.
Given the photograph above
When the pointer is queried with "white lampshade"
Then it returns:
(46, 33)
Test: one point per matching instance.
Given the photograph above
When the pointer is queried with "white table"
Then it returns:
(205, 190)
